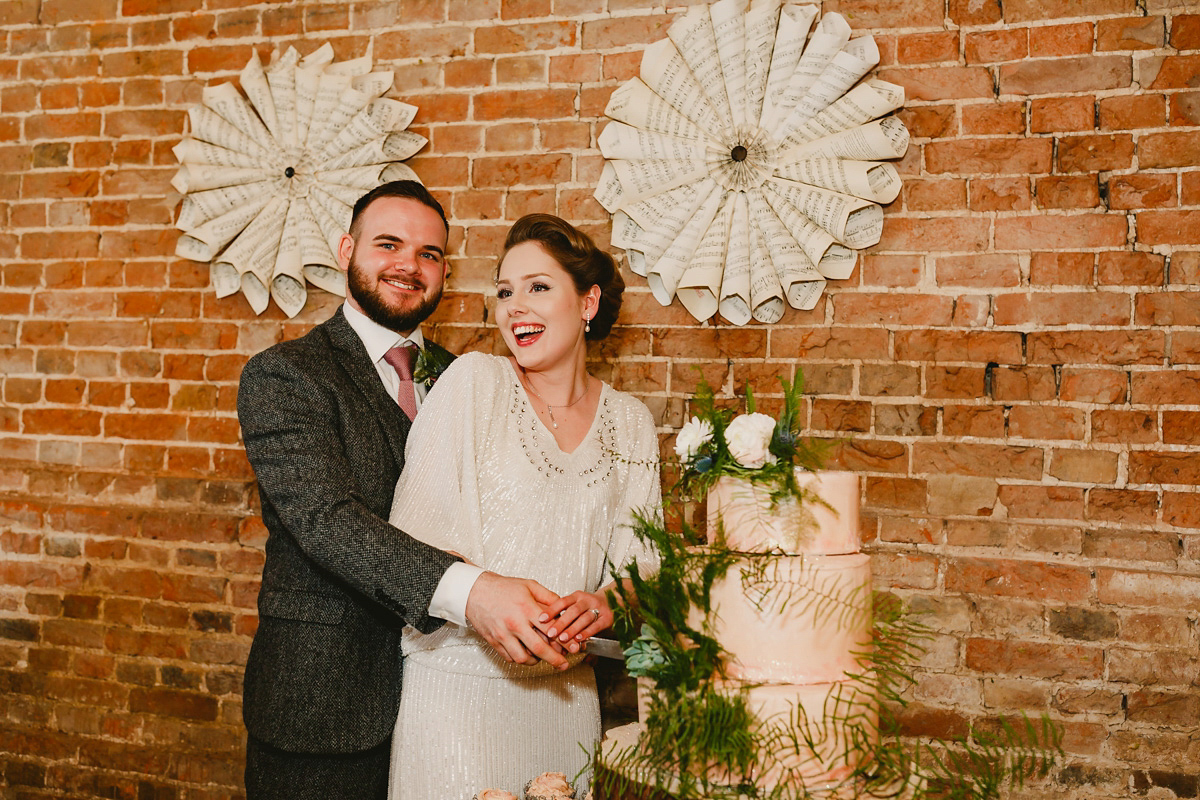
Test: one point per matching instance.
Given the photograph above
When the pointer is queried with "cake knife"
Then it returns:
(605, 648)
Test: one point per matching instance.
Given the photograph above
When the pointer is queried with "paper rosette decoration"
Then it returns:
(745, 165)
(270, 178)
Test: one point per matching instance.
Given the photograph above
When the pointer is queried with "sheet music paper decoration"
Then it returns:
(270, 177)
(745, 166)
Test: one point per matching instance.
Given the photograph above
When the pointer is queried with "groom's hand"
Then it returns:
(503, 611)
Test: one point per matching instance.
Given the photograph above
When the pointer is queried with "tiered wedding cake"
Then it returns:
(792, 615)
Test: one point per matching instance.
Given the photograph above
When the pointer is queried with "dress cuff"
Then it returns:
(450, 598)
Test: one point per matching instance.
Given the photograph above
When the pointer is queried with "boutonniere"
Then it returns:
(430, 365)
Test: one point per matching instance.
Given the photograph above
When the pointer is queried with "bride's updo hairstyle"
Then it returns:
(575, 252)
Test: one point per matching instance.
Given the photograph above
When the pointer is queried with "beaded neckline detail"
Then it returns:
(543, 453)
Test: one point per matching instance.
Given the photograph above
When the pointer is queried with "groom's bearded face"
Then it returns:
(395, 268)
(402, 316)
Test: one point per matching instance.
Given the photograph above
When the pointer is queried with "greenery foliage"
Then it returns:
(703, 741)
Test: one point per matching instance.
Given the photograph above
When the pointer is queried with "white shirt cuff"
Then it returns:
(450, 598)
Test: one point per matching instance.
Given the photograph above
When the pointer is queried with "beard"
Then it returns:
(400, 320)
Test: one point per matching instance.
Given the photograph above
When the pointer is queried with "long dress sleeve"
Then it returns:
(437, 498)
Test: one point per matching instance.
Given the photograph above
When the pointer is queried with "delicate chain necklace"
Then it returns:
(550, 408)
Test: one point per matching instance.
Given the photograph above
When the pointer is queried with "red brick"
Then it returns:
(1185, 32)
(924, 48)
(1001, 194)
(941, 83)
(1067, 192)
(1148, 589)
(1066, 75)
(1093, 386)
(534, 170)
(997, 156)
(928, 122)
(1127, 113)
(1035, 659)
(935, 195)
(997, 45)
(533, 103)
(1061, 40)
(1137, 191)
(977, 421)
(829, 343)
(1130, 33)
(1125, 427)
(1175, 308)
(1184, 109)
(1061, 114)
(1181, 427)
(1181, 509)
(1096, 347)
(62, 422)
(922, 235)
(1166, 227)
(173, 703)
(1090, 230)
(994, 118)
(1094, 153)
(1164, 467)
(1045, 422)
(525, 37)
(1062, 308)
(1022, 463)
(603, 34)
(949, 346)
(1179, 149)
(1176, 72)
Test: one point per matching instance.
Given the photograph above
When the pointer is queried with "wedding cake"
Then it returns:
(792, 615)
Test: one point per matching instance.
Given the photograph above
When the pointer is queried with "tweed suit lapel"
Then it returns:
(357, 364)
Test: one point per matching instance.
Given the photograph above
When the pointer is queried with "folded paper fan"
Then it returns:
(746, 165)
(269, 177)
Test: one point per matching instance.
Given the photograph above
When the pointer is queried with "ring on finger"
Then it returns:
(596, 613)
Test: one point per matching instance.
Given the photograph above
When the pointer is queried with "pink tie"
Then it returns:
(402, 357)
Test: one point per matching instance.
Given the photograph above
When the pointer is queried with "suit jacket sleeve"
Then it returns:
(301, 439)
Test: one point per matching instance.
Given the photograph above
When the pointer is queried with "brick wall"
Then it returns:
(1015, 367)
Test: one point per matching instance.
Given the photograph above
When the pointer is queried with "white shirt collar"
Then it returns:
(376, 338)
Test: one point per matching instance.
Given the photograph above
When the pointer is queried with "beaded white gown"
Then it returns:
(484, 477)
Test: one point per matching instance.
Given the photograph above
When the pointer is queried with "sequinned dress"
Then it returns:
(484, 477)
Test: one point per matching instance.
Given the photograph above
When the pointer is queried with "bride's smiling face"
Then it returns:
(539, 310)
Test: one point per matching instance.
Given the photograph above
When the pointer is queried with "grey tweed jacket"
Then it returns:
(327, 445)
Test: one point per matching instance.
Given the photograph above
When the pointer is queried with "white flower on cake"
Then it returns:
(549, 786)
(749, 440)
(695, 434)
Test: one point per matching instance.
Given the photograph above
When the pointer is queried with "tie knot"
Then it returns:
(402, 357)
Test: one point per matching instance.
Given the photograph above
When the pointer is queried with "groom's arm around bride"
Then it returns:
(325, 434)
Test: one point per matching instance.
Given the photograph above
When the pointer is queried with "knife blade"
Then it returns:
(605, 648)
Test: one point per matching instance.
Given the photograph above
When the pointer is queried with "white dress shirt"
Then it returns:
(449, 600)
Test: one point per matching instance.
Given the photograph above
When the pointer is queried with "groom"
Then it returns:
(324, 429)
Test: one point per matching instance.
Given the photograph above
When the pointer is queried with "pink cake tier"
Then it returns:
(793, 619)
(820, 734)
(741, 512)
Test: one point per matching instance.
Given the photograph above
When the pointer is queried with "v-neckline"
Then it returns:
(538, 420)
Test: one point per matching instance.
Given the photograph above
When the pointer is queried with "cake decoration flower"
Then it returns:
(694, 434)
(749, 439)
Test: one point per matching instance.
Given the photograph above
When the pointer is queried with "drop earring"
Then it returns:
(587, 324)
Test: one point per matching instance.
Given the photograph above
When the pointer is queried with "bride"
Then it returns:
(525, 465)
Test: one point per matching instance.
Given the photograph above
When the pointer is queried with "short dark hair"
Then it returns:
(402, 188)
(576, 253)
